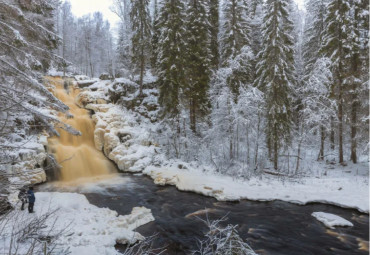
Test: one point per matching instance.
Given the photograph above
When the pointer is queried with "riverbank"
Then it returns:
(131, 144)
(70, 223)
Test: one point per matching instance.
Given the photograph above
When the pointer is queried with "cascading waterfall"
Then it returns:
(77, 155)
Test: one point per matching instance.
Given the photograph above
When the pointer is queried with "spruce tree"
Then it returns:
(235, 36)
(354, 73)
(214, 29)
(235, 29)
(155, 36)
(313, 33)
(141, 28)
(335, 38)
(198, 61)
(171, 48)
(275, 74)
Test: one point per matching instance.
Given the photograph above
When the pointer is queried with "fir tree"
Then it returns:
(171, 47)
(141, 27)
(275, 74)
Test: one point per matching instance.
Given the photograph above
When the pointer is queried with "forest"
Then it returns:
(260, 107)
(242, 84)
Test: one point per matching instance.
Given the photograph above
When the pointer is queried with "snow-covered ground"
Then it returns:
(350, 192)
(81, 226)
(331, 220)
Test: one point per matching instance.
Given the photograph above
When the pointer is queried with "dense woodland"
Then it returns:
(243, 85)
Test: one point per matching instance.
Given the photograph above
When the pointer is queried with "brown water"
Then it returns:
(76, 155)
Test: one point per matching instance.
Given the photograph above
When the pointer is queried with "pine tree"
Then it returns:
(275, 74)
(214, 30)
(198, 60)
(171, 48)
(235, 36)
(141, 36)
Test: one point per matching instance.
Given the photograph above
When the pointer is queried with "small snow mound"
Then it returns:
(331, 220)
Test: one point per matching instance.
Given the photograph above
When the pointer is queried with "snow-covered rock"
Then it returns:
(88, 229)
(88, 97)
(130, 147)
(331, 220)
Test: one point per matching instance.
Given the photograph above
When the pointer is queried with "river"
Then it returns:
(269, 227)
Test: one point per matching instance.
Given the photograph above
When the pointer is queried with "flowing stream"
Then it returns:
(269, 227)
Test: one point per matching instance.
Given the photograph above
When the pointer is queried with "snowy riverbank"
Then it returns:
(348, 192)
(132, 146)
(80, 226)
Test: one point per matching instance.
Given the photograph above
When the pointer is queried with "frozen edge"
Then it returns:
(153, 176)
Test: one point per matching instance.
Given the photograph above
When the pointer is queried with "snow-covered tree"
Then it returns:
(214, 31)
(171, 50)
(141, 36)
(318, 108)
(335, 38)
(197, 61)
(26, 51)
(234, 36)
(275, 74)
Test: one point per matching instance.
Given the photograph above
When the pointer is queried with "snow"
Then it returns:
(88, 229)
(344, 192)
(139, 151)
(331, 220)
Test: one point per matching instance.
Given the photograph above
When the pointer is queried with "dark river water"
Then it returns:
(268, 227)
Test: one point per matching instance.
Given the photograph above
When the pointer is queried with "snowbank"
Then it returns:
(344, 192)
(88, 229)
(331, 220)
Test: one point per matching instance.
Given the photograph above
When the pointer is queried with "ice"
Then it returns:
(331, 220)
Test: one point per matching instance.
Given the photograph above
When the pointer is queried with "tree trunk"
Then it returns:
(354, 129)
(340, 126)
(142, 67)
(332, 134)
(258, 135)
(276, 153)
(322, 144)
